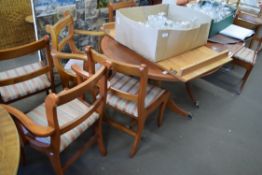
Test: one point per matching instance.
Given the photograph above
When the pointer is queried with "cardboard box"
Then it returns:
(157, 44)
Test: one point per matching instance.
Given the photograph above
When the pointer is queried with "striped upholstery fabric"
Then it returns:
(65, 113)
(129, 84)
(24, 88)
(247, 55)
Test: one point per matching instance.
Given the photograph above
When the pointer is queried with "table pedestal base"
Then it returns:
(173, 106)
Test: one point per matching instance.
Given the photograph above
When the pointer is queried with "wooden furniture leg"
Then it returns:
(56, 163)
(244, 79)
(173, 106)
(137, 140)
(191, 96)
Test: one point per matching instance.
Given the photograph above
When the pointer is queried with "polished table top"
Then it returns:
(114, 50)
(9, 144)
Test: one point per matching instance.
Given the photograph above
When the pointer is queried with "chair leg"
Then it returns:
(137, 140)
(245, 77)
(100, 138)
(56, 163)
(132, 123)
(22, 154)
(162, 110)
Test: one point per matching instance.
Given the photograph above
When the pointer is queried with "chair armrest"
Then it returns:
(91, 33)
(38, 130)
(80, 72)
(61, 55)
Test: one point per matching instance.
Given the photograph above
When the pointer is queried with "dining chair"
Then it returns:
(32, 78)
(130, 93)
(246, 58)
(113, 6)
(52, 126)
(62, 35)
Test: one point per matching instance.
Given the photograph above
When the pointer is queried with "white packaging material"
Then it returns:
(237, 32)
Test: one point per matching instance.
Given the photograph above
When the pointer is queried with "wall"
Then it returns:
(14, 30)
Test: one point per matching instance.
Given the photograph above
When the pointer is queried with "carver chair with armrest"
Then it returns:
(27, 80)
(129, 93)
(65, 26)
(113, 6)
(54, 125)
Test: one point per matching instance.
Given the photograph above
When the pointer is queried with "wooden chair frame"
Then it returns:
(246, 65)
(14, 53)
(57, 46)
(136, 71)
(54, 131)
(112, 7)
(241, 19)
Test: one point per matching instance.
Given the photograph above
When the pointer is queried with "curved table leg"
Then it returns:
(175, 108)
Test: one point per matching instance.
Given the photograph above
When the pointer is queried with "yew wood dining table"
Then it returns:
(116, 51)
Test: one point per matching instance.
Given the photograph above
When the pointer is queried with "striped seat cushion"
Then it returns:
(247, 55)
(24, 88)
(66, 113)
(131, 85)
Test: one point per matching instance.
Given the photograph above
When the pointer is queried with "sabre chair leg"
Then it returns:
(137, 140)
(245, 77)
(56, 163)
(100, 138)
(22, 155)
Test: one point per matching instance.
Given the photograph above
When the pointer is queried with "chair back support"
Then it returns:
(112, 7)
(62, 33)
(140, 72)
(18, 52)
(245, 20)
(241, 19)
